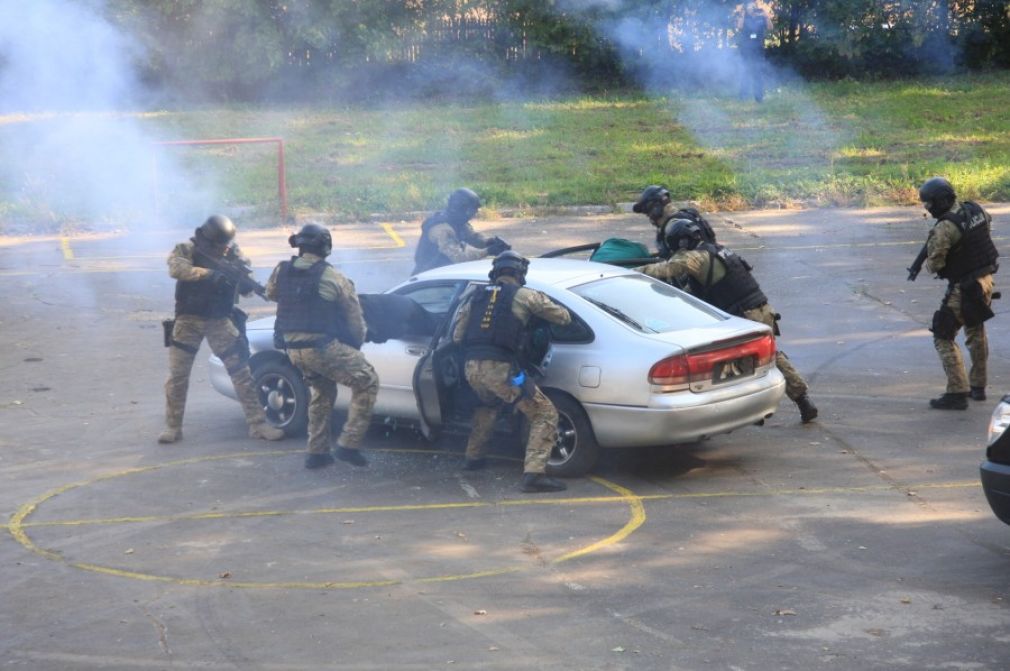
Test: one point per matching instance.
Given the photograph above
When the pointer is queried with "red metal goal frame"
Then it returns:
(282, 187)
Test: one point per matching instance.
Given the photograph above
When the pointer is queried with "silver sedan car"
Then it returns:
(641, 364)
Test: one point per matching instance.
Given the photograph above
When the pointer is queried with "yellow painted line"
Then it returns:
(68, 253)
(18, 524)
(637, 520)
(397, 240)
(239, 514)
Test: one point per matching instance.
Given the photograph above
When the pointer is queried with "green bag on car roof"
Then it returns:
(615, 250)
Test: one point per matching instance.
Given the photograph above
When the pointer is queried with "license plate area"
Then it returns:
(734, 369)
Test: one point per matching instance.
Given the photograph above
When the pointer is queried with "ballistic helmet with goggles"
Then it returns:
(682, 234)
(938, 196)
(312, 238)
(218, 230)
(652, 201)
(463, 203)
(509, 263)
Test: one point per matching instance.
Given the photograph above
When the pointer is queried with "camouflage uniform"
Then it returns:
(333, 363)
(696, 264)
(449, 246)
(491, 380)
(942, 237)
(187, 336)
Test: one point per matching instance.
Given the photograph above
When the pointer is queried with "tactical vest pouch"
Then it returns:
(945, 324)
(974, 309)
(167, 326)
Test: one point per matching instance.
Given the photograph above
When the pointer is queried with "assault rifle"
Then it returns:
(916, 267)
(237, 272)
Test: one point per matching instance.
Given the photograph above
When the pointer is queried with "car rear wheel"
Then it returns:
(283, 395)
(576, 450)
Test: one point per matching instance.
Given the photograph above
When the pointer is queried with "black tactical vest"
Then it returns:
(427, 255)
(493, 331)
(204, 298)
(975, 253)
(300, 308)
(737, 291)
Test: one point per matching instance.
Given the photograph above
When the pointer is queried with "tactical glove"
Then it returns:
(496, 246)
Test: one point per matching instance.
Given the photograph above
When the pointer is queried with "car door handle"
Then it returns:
(417, 350)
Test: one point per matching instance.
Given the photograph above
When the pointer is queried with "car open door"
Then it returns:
(439, 386)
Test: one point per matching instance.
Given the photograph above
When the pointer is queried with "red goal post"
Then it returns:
(282, 187)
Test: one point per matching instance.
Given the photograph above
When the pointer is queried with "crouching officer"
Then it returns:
(720, 277)
(447, 236)
(656, 204)
(960, 249)
(320, 321)
(490, 324)
(205, 301)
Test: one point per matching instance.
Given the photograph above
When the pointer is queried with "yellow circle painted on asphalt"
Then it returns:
(19, 522)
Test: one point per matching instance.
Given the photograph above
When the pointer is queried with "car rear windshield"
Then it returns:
(648, 305)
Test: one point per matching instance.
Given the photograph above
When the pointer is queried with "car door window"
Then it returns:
(434, 297)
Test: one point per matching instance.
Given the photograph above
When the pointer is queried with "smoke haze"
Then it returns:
(75, 148)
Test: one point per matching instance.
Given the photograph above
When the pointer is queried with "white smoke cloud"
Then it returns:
(74, 147)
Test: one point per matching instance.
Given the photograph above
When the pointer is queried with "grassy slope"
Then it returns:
(843, 143)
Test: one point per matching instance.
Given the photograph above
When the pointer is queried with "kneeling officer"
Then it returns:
(320, 321)
(490, 324)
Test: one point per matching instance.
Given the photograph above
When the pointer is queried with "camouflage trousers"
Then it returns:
(222, 336)
(324, 368)
(975, 339)
(796, 386)
(491, 381)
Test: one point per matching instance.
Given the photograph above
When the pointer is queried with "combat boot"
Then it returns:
(265, 431)
(539, 482)
(352, 456)
(318, 460)
(977, 393)
(478, 464)
(956, 401)
(170, 435)
(808, 411)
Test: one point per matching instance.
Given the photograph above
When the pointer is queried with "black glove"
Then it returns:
(496, 246)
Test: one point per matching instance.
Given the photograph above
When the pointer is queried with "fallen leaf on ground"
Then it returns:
(225, 575)
(480, 612)
(617, 649)
(784, 611)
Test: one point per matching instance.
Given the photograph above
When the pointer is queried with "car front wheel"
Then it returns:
(283, 395)
(576, 450)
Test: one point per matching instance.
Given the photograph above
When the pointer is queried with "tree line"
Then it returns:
(360, 49)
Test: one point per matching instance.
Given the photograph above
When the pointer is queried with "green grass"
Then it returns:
(845, 143)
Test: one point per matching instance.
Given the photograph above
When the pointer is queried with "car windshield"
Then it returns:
(648, 305)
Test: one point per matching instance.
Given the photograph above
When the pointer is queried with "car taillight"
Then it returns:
(681, 370)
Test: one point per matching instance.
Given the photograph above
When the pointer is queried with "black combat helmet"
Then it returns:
(938, 195)
(509, 262)
(652, 201)
(463, 204)
(682, 234)
(218, 230)
(313, 239)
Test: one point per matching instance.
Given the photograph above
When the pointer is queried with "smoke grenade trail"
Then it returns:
(75, 150)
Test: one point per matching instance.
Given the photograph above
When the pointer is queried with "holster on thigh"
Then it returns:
(945, 324)
(974, 308)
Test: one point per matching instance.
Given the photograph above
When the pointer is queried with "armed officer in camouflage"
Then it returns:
(720, 277)
(320, 322)
(447, 236)
(656, 204)
(490, 324)
(205, 307)
(960, 249)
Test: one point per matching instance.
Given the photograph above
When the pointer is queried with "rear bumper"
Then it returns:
(684, 417)
(996, 485)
